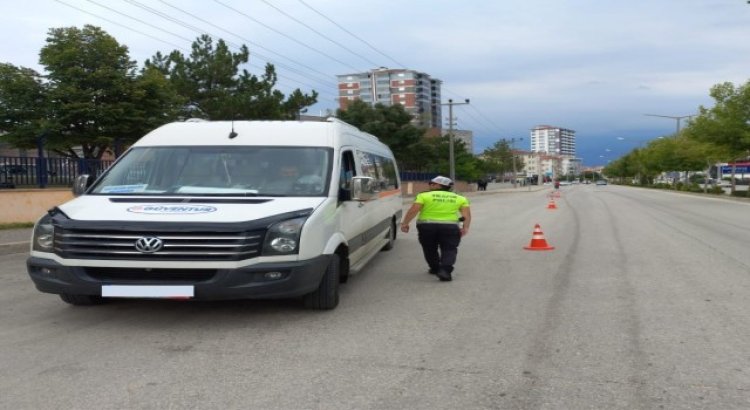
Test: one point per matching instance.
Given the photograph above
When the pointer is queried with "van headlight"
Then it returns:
(282, 237)
(43, 239)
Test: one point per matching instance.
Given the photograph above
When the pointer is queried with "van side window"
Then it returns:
(380, 169)
(347, 171)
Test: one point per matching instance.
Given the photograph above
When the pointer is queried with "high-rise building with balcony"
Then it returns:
(416, 91)
(553, 140)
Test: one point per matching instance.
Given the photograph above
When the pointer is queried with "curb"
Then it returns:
(14, 247)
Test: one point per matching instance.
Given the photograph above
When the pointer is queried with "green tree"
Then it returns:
(498, 159)
(392, 125)
(90, 98)
(727, 123)
(467, 166)
(623, 168)
(97, 96)
(23, 101)
(214, 88)
(679, 154)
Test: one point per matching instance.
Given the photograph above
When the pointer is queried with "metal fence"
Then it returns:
(417, 176)
(29, 172)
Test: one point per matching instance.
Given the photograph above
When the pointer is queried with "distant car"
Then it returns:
(601, 182)
(13, 169)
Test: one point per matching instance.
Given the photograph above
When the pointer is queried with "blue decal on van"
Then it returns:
(172, 209)
(121, 189)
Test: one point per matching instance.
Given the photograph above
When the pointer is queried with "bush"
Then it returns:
(740, 194)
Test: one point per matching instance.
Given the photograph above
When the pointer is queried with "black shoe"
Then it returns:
(444, 276)
(433, 271)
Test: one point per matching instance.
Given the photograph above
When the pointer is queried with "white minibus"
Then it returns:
(224, 210)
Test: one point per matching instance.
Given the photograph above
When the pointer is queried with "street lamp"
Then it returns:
(512, 147)
(451, 155)
(674, 117)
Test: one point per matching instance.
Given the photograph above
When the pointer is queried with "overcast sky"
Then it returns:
(594, 66)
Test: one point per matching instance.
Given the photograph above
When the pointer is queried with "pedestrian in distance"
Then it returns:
(439, 226)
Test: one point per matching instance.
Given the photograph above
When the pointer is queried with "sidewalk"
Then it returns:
(17, 240)
(14, 240)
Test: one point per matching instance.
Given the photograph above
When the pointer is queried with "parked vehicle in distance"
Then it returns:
(221, 210)
(601, 182)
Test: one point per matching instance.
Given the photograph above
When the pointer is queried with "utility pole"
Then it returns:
(451, 154)
(515, 173)
(674, 117)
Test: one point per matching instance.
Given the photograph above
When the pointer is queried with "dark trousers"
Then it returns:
(439, 244)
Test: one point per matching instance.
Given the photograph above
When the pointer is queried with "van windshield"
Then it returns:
(219, 171)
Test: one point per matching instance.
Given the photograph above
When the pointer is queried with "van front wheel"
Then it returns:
(391, 238)
(326, 297)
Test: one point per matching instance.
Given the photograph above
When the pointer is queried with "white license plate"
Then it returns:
(124, 291)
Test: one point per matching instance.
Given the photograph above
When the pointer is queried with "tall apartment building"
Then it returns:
(553, 140)
(465, 136)
(416, 91)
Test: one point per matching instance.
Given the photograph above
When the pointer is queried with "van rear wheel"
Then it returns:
(326, 297)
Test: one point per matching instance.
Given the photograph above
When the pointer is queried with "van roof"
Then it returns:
(291, 133)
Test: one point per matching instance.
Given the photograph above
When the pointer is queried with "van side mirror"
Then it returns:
(81, 184)
(363, 188)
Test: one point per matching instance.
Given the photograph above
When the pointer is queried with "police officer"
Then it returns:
(438, 225)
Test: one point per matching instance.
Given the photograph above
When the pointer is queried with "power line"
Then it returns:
(351, 34)
(197, 29)
(139, 20)
(193, 28)
(487, 120)
(283, 34)
(480, 113)
(374, 64)
(121, 25)
(261, 68)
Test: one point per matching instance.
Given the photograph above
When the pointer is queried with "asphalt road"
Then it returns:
(641, 305)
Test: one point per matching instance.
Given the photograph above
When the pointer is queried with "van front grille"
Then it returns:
(171, 245)
(123, 275)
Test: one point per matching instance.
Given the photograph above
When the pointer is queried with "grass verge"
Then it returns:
(16, 225)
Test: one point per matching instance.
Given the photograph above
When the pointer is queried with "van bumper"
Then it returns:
(252, 282)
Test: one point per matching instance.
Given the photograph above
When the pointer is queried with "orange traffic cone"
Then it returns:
(538, 243)
(551, 204)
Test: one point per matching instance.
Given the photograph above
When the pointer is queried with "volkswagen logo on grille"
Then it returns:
(149, 244)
